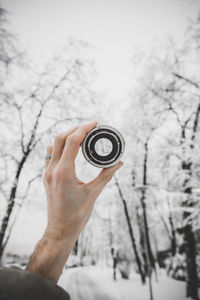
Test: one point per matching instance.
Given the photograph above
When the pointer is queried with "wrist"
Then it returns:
(50, 255)
(61, 231)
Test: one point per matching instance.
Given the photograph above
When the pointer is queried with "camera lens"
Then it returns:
(103, 147)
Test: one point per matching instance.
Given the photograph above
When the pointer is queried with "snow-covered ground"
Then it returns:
(95, 283)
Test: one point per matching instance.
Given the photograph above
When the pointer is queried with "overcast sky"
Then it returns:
(117, 28)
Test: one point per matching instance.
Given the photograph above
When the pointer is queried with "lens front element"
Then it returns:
(103, 146)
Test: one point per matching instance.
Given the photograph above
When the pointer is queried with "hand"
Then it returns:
(70, 201)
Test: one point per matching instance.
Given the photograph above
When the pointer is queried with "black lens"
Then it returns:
(103, 146)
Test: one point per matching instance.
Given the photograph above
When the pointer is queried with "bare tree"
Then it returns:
(133, 242)
(28, 118)
(188, 122)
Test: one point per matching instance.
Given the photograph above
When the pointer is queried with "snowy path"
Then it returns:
(84, 283)
(95, 283)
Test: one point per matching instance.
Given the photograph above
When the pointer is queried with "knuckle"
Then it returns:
(48, 176)
(72, 139)
(83, 131)
(61, 172)
(58, 173)
(49, 148)
(58, 138)
(107, 177)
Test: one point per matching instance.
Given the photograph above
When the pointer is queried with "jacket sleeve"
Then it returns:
(17, 284)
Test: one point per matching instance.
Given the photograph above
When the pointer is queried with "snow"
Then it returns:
(95, 283)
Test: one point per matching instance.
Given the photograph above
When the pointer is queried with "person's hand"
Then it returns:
(70, 201)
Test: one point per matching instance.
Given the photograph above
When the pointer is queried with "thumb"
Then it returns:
(97, 185)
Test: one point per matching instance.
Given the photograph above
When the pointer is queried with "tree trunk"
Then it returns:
(173, 237)
(142, 241)
(10, 205)
(189, 239)
(143, 204)
(11, 200)
(189, 242)
(138, 261)
(190, 249)
(114, 255)
(173, 231)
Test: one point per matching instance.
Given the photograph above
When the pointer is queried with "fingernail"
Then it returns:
(120, 164)
(90, 123)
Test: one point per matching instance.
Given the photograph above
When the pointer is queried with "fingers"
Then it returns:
(73, 142)
(49, 151)
(59, 144)
(96, 186)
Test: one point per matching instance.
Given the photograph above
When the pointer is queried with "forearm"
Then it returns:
(50, 256)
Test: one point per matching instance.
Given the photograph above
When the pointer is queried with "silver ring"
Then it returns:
(48, 156)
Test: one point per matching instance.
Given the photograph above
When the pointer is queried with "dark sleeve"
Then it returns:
(17, 284)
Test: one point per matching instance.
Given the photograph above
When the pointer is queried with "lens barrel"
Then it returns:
(99, 153)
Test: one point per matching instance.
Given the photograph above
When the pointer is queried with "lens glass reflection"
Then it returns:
(103, 147)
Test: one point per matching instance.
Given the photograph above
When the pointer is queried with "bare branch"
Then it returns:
(21, 129)
(169, 105)
(20, 206)
(53, 125)
(196, 122)
(191, 82)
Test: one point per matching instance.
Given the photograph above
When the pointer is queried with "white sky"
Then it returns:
(116, 29)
